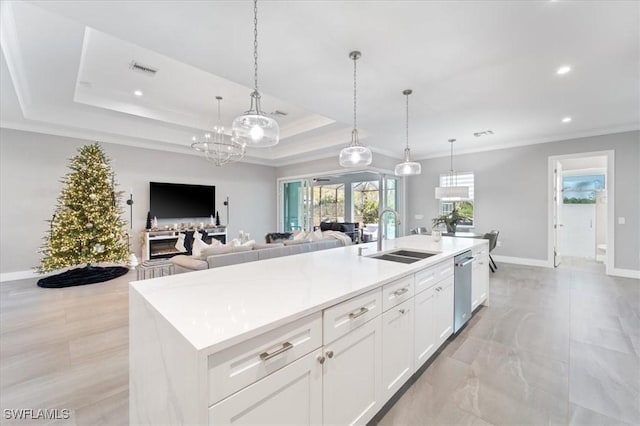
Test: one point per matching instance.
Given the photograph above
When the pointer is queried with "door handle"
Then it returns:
(401, 291)
(267, 356)
(465, 263)
(358, 313)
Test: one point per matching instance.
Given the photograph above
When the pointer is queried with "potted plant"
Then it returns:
(451, 220)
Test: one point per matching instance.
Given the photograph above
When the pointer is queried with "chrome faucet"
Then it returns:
(387, 210)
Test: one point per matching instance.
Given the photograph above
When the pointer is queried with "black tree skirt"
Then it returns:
(82, 276)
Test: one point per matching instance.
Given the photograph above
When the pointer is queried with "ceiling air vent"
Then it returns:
(483, 133)
(145, 69)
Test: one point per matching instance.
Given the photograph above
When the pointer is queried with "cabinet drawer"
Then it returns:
(242, 364)
(291, 395)
(351, 314)
(397, 292)
(433, 274)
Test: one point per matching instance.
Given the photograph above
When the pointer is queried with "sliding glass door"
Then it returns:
(295, 205)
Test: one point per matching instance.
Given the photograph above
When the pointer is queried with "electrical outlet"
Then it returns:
(621, 221)
(499, 244)
(419, 216)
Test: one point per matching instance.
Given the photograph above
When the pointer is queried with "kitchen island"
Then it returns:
(317, 338)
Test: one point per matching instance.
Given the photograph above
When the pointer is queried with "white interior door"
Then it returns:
(557, 211)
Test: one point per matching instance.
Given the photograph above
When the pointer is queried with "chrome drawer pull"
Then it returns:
(359, 313)
(267, 356)
(400, 292)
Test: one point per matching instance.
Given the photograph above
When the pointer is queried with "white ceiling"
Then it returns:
(472, 66)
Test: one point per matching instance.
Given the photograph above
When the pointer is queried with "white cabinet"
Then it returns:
(397, 351)
(352, 376)
(443, 310)
(289, 396)
(243, 364)
(479, 278)
(424, 328)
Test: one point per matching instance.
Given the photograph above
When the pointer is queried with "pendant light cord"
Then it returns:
(355, 122)
(255, 44)
(407, 122)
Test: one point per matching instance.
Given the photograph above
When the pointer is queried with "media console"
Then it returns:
(160, 244)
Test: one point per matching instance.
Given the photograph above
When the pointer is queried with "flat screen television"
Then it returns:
(175, 200)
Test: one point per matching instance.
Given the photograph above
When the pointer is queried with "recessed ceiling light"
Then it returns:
(566, 120)
(138, 93)
(563, 70)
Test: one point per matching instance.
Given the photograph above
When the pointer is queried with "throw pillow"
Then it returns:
(197, 236)
(299, 235)
(234, 243)
(315, 235)
(180, 243)
(198, 247)
(215, 243)
(249, 243)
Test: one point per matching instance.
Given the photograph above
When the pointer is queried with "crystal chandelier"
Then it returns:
(452, 192)
(254, 128)
(408, 167)
(219, 148)
(355, 155)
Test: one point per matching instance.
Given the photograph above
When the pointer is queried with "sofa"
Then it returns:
(243, 254)
(352, 229)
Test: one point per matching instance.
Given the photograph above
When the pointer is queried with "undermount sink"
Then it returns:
(403, 256)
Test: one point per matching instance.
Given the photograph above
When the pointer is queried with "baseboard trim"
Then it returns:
(626, 273)
(522, 261)
(19, 275)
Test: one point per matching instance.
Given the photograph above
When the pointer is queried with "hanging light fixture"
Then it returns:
(355, 155)
(452, 192)
(408, 167)
(220, 149)
(254, 128)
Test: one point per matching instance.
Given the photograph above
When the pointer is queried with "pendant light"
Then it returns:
(254, 128)
(220, 149)
(355, 155)
(452, 192)
(408, 167)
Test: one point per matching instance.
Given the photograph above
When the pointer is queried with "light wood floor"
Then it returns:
(556, 347)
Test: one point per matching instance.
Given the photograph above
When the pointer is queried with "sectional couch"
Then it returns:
(242, 254)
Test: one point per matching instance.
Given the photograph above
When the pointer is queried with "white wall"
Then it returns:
(511, 190)
(31, 165)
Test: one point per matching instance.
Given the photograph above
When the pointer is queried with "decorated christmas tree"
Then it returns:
(86, 227)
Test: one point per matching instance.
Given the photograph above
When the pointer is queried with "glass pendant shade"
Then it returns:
(355, 156)
(255, 128)
(408, 167)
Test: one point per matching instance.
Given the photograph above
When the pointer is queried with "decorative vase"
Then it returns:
(148, 224)
(451, 228)
(217, 219)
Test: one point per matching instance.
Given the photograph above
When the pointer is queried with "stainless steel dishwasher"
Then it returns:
(462, 290)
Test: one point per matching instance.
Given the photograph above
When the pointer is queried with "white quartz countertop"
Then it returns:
(217, 308)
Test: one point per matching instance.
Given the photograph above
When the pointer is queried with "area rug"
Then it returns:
(82, 276)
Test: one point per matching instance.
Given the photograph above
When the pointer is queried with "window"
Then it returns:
(328, 203)
(366, 196)
(581, 189)
(464, 206)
